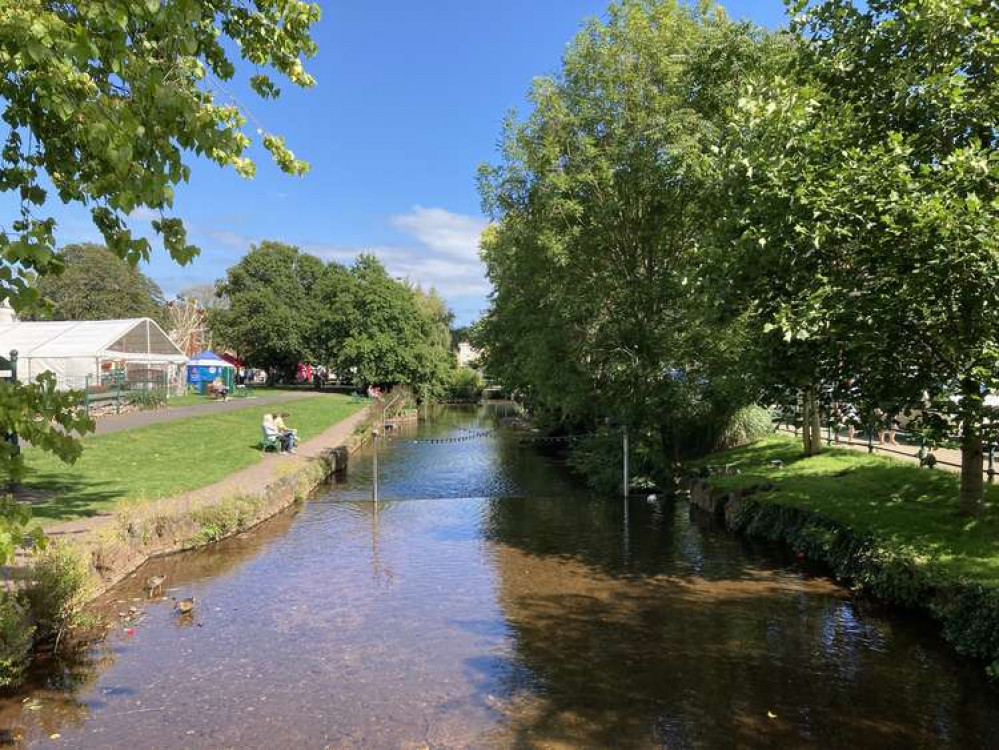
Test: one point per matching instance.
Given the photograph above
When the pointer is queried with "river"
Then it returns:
(486, 601)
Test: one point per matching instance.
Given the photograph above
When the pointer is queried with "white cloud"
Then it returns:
(444, 254)
(443, 232)
(439, 249)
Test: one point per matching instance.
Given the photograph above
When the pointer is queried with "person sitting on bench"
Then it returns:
(287, 433)
(273, 435)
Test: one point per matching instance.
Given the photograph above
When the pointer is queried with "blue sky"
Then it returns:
(409, 101)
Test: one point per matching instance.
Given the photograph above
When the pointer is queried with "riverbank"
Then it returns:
(87, 556)
(887, 528)
(160, 456)
(115, 545)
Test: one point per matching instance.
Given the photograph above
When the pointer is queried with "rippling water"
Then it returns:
(487, 601)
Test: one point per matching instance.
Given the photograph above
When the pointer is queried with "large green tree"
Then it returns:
(273, 306)
(383, 331)
(104, 98)
(95, 284)
(600, 207)
(871, 204)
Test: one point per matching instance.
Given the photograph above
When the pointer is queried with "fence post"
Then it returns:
(992, 461)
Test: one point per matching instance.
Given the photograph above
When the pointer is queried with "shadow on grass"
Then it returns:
(901, 503)
(58, 496)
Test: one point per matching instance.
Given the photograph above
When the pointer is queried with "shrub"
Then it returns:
(227, 517)
(16, 638)
(149, 400)
(60, 578)
(464, 384)
(746, 425)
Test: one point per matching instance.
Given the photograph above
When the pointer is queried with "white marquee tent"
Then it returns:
(79, 353)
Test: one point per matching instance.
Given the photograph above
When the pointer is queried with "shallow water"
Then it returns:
(487, 601)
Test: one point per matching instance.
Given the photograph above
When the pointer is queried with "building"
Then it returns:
(91, 353)
(467, 355)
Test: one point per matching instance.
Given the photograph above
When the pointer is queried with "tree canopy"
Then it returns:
(286, 307)
(104, 100)
(95, 284)
(600, 205)
(697, 212)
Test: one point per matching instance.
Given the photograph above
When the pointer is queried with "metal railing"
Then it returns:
(871, 438)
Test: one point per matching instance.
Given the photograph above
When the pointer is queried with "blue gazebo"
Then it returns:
(204, 367)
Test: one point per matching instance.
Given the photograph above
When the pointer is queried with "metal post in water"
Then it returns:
(627, 483)
(374, 485)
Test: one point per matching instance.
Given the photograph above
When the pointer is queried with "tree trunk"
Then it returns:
(806, 434)
(811, 427)
(816, 423)
(970, 498)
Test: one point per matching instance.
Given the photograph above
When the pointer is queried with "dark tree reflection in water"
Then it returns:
(490, 602)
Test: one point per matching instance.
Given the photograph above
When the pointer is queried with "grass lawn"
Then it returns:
(188, 399)
(164, 459)
(901, 503)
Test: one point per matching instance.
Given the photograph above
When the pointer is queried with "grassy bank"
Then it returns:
(911, 508)
(887, 528)
(165, 459)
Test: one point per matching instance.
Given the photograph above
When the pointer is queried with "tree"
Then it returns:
(273, 294)
(384, 331)
(95, 284)
(600, 208)
(880, 180)
(104, 99)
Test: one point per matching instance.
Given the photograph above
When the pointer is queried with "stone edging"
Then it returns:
(165, 527)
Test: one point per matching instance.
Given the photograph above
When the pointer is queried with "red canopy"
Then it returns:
(232, 359)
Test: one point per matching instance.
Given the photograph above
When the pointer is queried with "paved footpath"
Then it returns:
(133, 419)
(247, 480)
(948, 459)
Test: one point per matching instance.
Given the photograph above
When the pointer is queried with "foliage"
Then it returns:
(149, 400)
(16, 640)
(464, 385)
(95, 284)
(383, 331)
(747, 425)
(60, 577)
(600, 207)
(863, 207)
(229, 516)
(16, 530)
(286, 306)
(47, 419)
(272, 314)
(42, 416)
(103, 100)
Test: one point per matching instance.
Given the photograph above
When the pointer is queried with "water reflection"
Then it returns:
(488, 601)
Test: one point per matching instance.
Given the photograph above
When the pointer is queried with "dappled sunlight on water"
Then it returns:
(523, 612)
